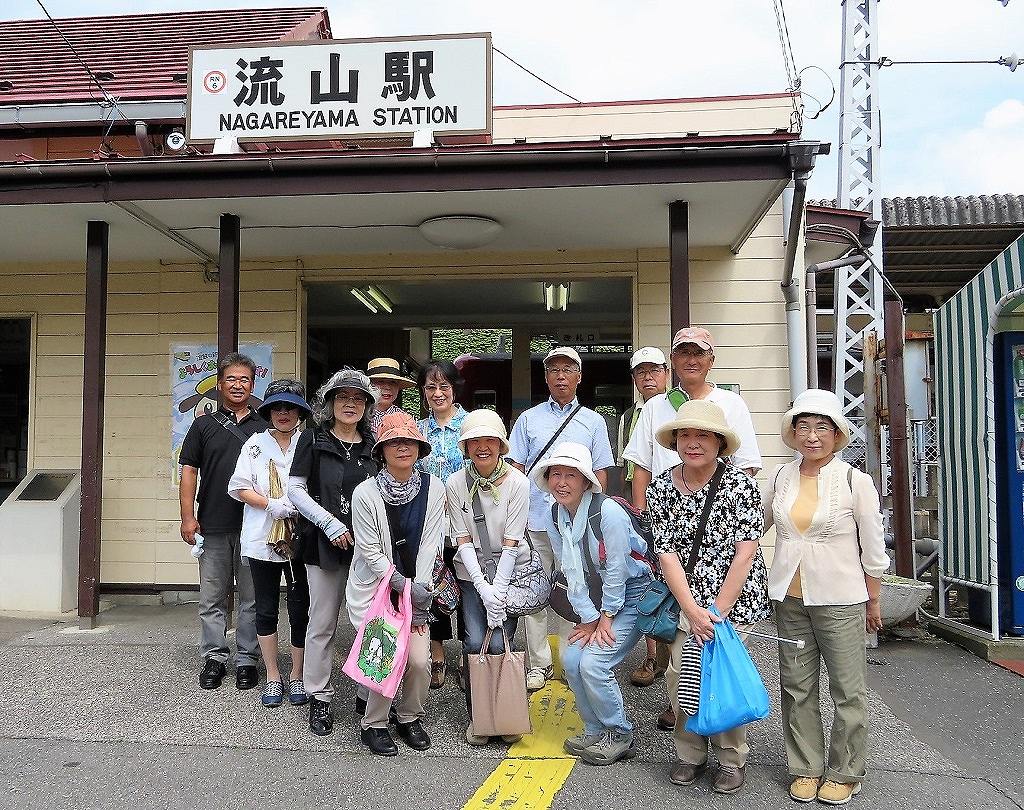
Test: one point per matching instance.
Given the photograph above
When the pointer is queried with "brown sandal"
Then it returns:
(438, 671)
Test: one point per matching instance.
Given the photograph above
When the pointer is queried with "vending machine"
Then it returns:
(1009, 414)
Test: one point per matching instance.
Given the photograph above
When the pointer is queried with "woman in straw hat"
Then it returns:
(399, 518)
(259, 481)
(727, 572)
(604, 595)
(331, 459)
(490, 489)
(388, 382)
(824, 582)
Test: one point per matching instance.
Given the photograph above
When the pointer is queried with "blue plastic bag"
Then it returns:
(731, 690)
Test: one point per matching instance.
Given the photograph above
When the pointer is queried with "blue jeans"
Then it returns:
(589, 670)
(474, 623)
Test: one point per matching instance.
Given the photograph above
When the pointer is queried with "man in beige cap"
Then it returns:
(560, 418)
(387, 380)
(693, 356)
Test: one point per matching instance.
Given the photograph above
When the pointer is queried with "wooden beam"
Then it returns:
(227, 287)
(899, 463)
(679, 265)
(94, 375)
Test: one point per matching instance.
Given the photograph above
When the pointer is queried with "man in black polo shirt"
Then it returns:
(209, 454)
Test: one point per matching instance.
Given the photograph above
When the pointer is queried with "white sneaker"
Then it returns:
(536, 678)
(475, 739)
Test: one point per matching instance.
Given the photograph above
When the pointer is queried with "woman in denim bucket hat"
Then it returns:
(603, 588)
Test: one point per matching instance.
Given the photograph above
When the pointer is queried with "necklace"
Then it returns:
(346, 446)
(686, 486)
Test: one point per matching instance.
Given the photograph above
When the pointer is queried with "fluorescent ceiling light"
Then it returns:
(460, 232)
(364, 299)
(556, 296)
(380, 299)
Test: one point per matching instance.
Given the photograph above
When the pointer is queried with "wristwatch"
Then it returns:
(608, 614)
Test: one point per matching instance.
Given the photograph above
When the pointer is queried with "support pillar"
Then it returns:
(678, 265)
(899, 447)
(93, 379)
(522, 393)
(227, 286)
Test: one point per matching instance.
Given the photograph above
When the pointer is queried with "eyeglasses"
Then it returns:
(691, 352)
(561, 371)
(350, 399)
(233, 379)
(820, 429)
(432, 387)
(648, 372)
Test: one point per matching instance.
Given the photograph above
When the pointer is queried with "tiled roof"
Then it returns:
(146, 53)
(919, 212)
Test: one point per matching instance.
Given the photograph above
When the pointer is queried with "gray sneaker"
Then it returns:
(612, 747)
(578, 742)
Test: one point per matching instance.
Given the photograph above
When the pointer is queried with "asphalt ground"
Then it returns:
(113, 718)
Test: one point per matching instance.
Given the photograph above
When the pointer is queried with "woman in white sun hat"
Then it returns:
(604, 594)
(707, 520)
(487, 488)
(824, 583)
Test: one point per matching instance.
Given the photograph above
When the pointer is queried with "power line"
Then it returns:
(106, 96)
(1012, 62)
(538, 78)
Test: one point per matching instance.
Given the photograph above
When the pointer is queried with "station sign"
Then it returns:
(343, 88)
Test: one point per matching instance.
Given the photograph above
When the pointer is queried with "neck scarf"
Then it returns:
(488, 484)
(573, 534)
(397, 493)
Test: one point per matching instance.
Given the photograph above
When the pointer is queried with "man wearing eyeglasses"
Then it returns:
(563, 419)
(693, 356)
(210, 450)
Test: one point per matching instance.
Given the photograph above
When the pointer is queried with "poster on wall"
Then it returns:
(194, 386)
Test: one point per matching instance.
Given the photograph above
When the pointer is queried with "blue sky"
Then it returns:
(946, 130)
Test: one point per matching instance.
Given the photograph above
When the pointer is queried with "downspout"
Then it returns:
(802, 163)
(811, 309)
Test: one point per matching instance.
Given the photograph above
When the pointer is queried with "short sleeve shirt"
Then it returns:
(213, 450)
(736, 516)
(445, 456)
(536, 426)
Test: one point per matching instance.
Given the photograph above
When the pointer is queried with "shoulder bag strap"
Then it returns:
(230, 427)
(485, 550)
(557, 433)
(849, 483)
(702, 524)
(596, 501)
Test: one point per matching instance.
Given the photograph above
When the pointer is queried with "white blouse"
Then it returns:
(831, 567)
(252, 471)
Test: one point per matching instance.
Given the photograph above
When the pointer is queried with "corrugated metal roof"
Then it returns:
(146, 53)
(972, 210)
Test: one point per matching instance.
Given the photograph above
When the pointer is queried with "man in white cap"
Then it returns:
(559, 419)
(693, 356)
(649, 371)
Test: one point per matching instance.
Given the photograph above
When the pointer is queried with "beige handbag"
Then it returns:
(498, 690)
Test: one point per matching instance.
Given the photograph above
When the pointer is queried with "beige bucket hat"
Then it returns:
(483, 423)
(699, 414)
(566, 454)
(386, 368)
(820, 403)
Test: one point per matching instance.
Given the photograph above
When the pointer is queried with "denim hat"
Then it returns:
(284, 396)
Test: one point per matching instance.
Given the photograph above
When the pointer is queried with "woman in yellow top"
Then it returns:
(824, 583)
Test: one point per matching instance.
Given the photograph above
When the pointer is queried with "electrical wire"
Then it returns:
(786, 43)
(106, 96)
(496, 49)
(832, 84)
(1011, 62)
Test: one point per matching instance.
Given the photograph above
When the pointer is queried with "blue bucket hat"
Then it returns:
(284, 396)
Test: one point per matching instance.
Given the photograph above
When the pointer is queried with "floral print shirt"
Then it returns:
(445, 456)
(736, 516)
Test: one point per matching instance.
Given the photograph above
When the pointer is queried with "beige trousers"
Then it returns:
(730, 747)
(326, 591)
(415, 684)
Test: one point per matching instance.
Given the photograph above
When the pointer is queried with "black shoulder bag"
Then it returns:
(556, 434)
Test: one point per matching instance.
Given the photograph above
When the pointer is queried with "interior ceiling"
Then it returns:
(593, 217)
(604, 304)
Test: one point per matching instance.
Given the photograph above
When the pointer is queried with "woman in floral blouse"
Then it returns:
(728, 571)
(440, 383)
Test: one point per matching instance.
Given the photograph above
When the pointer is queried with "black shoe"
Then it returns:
(246, 677)
(414, 735)
(321, 719)
(379, 741)
(360, 706)
(212, 674)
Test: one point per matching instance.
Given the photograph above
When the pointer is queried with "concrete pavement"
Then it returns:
(113, 718)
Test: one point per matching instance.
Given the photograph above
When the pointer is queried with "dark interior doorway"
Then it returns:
(15, 355)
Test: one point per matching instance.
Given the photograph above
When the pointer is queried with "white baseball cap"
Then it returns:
(564, 351)
(648, 354)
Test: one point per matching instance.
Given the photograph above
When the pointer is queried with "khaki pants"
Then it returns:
(537, 624)
(415, 684)
(326, 591)
(835, 634)
(730, 746)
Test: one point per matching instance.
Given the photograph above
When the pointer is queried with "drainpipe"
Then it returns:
(142, 136)
(790, 283)
(811, 309)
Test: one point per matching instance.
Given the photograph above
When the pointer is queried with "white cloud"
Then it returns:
(989, 158)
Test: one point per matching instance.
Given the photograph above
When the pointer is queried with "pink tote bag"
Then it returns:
(381, 650)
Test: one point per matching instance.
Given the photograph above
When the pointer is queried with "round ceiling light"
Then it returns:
(460, 232)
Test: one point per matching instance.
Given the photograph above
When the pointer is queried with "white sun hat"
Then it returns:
(566, 454)
(483, 423)
(817, 402)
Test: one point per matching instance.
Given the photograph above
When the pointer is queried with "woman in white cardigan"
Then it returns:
(398, 517)
(824, 583)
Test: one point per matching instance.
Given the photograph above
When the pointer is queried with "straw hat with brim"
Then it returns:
(384, 368)
(290, 399)
(816, 402)
(400, 426)
(566, 454)
(699, 414)
(483, 424)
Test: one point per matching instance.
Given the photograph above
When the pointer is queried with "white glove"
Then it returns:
(496, 618)
(503, 575)
(488, 595)
(280, 508)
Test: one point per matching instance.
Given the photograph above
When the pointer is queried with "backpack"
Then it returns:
(640, 526)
